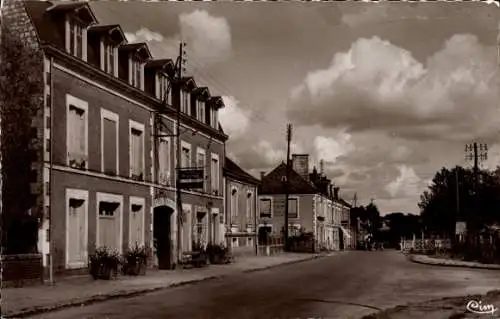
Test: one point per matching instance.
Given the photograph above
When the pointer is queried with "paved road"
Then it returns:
(343, 286)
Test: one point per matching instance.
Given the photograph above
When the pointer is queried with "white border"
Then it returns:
(131, 64)
(249, 208)
(185, 144)
(106, 89)
(200, 150)
(82, 195)
(67, 39)
(133, 200)
(234, 210)
(169, 155)
(103, 56)
(189, 209)
(83, 105)
(272, 202)
(140, 127)
(215, 156)
(106, 197)
(298, 205)
(106, 114)
(183, 93)
(200, 103)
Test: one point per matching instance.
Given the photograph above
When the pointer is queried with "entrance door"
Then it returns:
(162, 236)
(341, 240)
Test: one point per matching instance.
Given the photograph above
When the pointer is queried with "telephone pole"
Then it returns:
(181, 61)
(473, 152)
(288, 141)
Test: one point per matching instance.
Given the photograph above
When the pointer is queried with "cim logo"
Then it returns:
(480, 308)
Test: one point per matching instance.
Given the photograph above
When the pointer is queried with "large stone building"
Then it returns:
(314, 205)
(109, 161)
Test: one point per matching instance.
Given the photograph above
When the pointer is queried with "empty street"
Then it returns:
(347, 285)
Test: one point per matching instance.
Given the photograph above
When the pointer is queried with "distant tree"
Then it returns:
(21, 98)
(438, 203)
(401, 225)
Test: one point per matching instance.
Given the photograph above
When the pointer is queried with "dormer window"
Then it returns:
(200, 111)
(136, 75)
(163, 92)
(109, 62)
(214, 120)
(185, 102)
(75, 38)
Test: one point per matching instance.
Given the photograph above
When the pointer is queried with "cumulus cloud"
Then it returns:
(407, 184)
(234, 119)
(376, 85)
(330, 148)
(368, 14)
(208, 39)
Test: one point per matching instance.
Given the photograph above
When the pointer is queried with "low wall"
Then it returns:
(22, 270)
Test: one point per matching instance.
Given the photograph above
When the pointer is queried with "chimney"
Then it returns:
(300, 164)
(336, 192)
(262, 174)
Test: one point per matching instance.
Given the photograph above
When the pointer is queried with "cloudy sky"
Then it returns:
(386, 94)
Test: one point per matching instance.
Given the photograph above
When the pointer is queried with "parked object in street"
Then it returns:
(104, 263)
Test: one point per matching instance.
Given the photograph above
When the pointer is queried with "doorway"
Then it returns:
(162, 230)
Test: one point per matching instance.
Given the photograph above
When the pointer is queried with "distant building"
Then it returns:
(312, 204)
(241, 191)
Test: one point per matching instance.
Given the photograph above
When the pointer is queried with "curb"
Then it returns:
(129, 294)
(386, 313)
(444, 264)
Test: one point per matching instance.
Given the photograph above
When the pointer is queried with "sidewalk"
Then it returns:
(422, 259)
(21, 302)
(442, 308)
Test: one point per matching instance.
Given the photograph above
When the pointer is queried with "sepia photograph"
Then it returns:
(250, 159)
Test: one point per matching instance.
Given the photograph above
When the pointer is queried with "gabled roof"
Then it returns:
(272, 183)
(140, 48)
(161, 65)
(232, 170)
(216, 102)
(189, 83)
(81, 9)
(202, 92)
(114, 31)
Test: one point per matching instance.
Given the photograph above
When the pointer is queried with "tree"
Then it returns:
(438, 204)
(21, 98)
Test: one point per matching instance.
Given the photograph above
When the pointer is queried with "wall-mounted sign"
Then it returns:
(191, 178)
(460, 228)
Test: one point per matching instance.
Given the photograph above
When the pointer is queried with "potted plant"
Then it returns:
(135, 261)
(104, 263)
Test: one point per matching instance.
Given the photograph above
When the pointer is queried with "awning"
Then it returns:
(346, 232)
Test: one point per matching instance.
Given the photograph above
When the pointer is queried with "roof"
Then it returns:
(272, 183)
(141, 48)
(232, 170)
(217, 102)
(114, 30)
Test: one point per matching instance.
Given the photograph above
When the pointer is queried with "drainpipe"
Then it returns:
(51, 180)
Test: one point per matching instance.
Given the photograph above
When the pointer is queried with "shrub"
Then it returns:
(135, 260)
(104, 263)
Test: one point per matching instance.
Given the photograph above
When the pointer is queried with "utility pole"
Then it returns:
(181, 61)
(287, 195)
(473, 152)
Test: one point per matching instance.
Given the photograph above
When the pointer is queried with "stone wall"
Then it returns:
(20, 270)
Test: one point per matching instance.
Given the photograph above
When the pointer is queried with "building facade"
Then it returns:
(109, 144)
(241, 196)
(314, 205)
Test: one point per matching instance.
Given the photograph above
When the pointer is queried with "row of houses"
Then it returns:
(107, 168)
